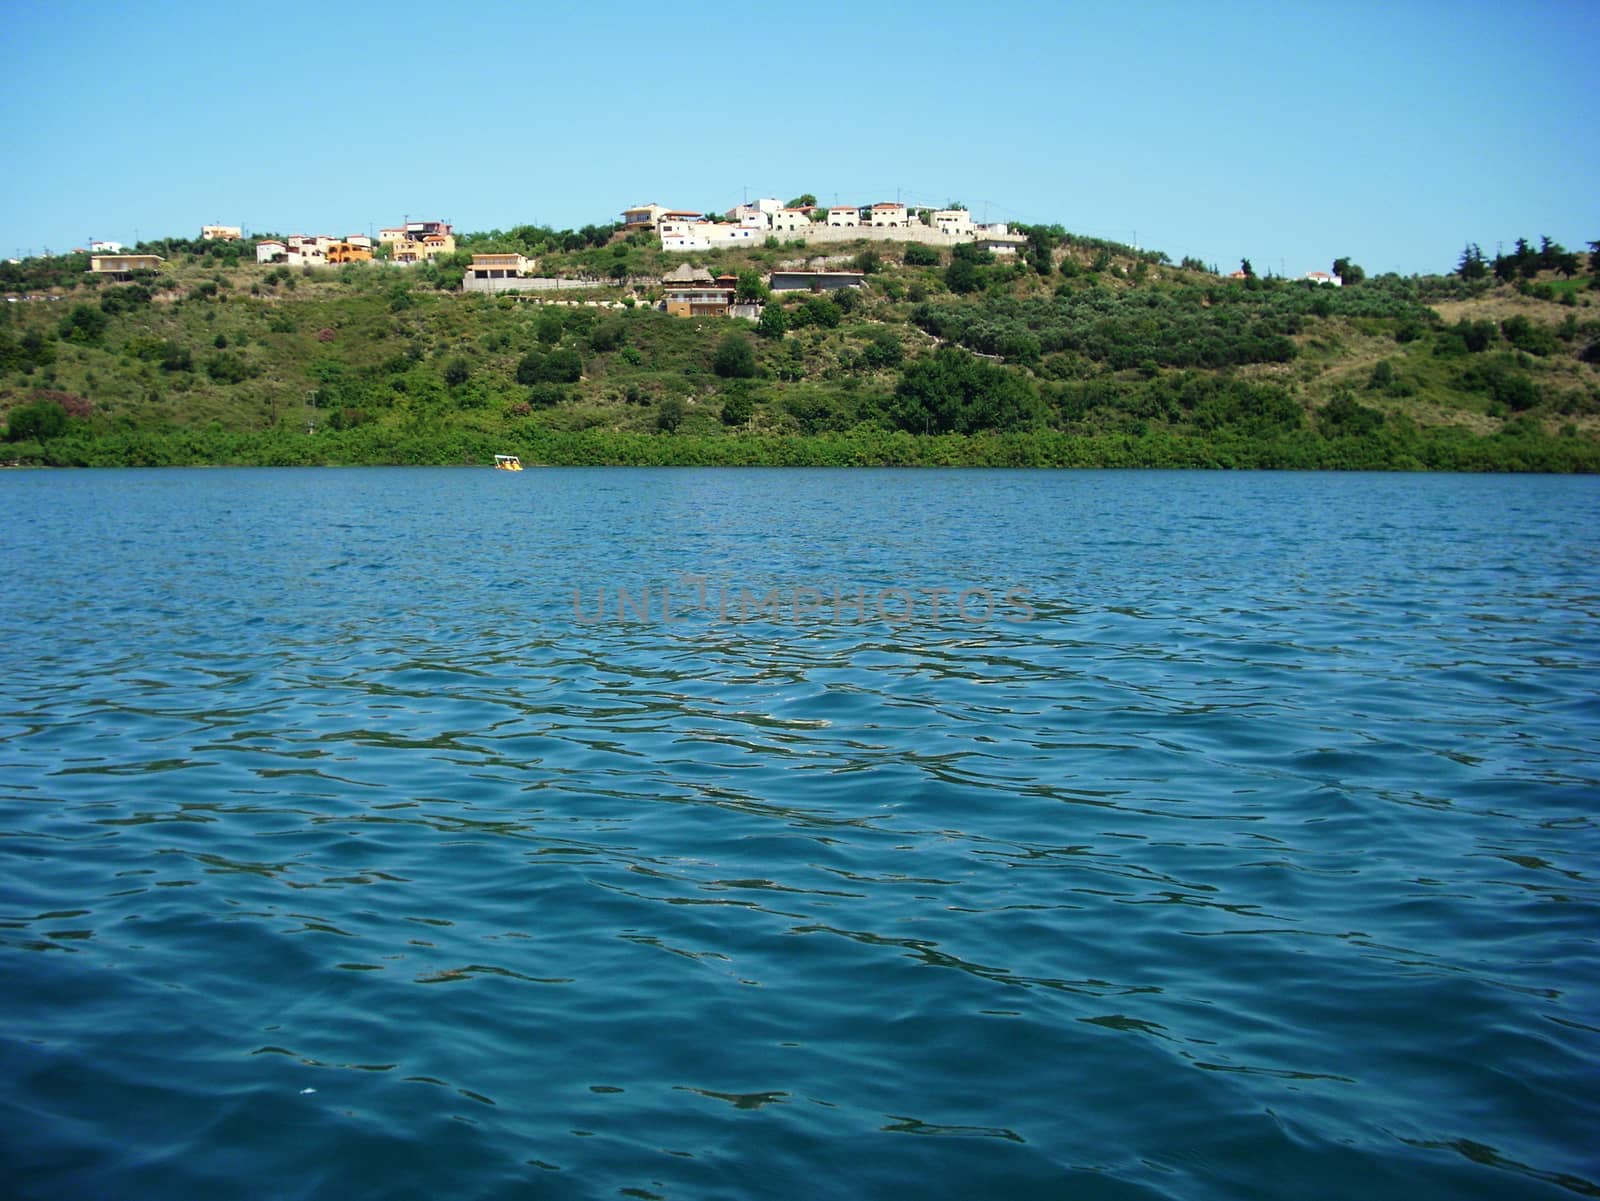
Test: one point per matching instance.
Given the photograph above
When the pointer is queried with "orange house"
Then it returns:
(347, 252)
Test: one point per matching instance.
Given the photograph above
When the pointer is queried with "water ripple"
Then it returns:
(340, 856)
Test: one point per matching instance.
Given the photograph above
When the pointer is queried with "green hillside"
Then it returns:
(1080, 353)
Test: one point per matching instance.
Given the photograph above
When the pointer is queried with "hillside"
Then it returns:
(1081, 352)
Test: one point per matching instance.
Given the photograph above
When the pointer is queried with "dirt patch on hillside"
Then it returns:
(1502, 305)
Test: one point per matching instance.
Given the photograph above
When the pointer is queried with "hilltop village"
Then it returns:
(786, 332)
(688, 291)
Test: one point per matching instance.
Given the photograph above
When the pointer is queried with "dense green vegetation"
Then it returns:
(1075, 351)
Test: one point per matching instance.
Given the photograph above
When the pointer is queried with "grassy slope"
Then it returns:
(273, 354)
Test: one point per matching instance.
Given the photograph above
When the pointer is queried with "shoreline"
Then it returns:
(1435, 449)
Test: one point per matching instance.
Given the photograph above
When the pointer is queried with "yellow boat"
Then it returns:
(507, 463)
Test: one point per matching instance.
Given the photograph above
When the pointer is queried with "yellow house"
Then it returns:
(220, 233)
(418, 241)
(497, 266)
(347, 252)
(122, 264)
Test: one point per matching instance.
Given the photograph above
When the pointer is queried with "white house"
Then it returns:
(98, 247)
(787, 219)
(955, 222)
(642, 216)
(844, 216)
(703, 235)
(308, 250)
(1322, 277)
(997, 238)
(271, 252)
(684, 235)
(889, 216)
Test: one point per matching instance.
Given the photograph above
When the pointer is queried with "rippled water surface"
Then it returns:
(352, 844)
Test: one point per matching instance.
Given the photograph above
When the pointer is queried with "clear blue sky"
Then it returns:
(1392, 132)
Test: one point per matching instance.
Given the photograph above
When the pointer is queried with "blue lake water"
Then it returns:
(1221, 836)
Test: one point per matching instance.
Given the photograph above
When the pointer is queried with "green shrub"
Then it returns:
(884, 350)
(734, 358)
(738, 408)
(36, 422)
(1343, 416)
(773, 322)
(84, 324)
(561, 367)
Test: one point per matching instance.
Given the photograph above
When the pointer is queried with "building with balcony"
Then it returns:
(695, 292)
(418, 241)
(347, 251)
(497, 266)
(124, 264)
(643, 217)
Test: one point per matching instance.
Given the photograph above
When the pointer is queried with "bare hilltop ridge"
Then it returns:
(789, 333)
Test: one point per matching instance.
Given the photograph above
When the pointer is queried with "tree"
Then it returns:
(561, 367)
(1471, 265)
(773, 323)
(670, 415)
(962, 277)
(918, 255)
(607, 335)
(1041, 247)
(804, 200)
(955, 392)
(1246, 269)
(868, 262)
(751, 288)
(821, 312)
(738, 408)
(83, 324)
(1349, 274)
(528, 368)
(1343, 416)
(883, 351)
(457, 371)
(548, 330)
(36, 422)
(735, 359)
(1594, 259)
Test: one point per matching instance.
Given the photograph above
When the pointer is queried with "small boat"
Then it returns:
(507, 463)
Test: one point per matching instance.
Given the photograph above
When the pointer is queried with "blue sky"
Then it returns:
(1288, 133)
